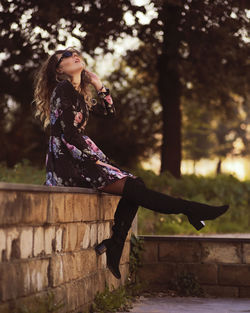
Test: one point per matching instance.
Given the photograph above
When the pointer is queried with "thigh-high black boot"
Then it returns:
(123, 218)
(136, 191)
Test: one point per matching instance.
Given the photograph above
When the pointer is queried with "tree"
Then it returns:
(197, 45)
(201, 54)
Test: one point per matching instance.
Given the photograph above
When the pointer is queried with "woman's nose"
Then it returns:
(76, 58)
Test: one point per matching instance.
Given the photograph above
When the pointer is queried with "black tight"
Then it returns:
(116, 187)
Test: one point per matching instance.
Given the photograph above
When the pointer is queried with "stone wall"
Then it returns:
(47, 239)
(221, 263)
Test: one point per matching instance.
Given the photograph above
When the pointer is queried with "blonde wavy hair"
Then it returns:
(45, 80)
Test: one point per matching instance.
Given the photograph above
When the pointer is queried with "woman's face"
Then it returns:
(71, 65)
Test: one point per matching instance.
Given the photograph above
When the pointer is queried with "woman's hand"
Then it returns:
(94, 79)
(108, 165)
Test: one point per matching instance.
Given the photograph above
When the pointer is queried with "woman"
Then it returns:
(64, 101)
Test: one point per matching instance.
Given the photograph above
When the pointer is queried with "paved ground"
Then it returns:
(170, 304)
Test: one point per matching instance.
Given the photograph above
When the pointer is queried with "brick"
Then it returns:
(94, 203)
(70, 261)
(124, 269)
(103, 231)
(206, 273)
(49, 237)
(81, 229)
(69, 237)
(34, 207)
(246, 252)
(58, 239)
(86, 262)
(74, 295)
(72, 266)
(93, 234)
(112, 281)
(28, 277)
(82, 207)
(10, 209)
(56, 273)
(157, 273)
(38, 274)
(221, 252)
(4, 308)
(179, 251)
(107, 230)
(78, 201)
(12, 272)
(234, 274)
(101, 281)
(86, 238)
(26, 241)
(108, 207)
(3, 243)
(102, 261)
(89, 291)
(38, 241)
(31, 303)
(150, 254)
(244, 292)
(56, 210)
(218, 291)
(125, 253)
(12, 234)
(100, 232)
(69, 207)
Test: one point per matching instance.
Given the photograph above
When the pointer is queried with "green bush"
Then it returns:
(187, 284)
(22, 172)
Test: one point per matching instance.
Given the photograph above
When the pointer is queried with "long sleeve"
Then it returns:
(105, 107)
(71, 136)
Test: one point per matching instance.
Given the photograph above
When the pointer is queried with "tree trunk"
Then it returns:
(169, 87)
(218, 168)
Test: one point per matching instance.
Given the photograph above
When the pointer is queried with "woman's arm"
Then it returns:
(105, 107)
(71, 136)
(108, 165)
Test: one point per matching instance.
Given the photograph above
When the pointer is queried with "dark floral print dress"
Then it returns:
(71, 155)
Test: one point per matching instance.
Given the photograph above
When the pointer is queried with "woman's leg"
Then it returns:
(135, 190)
(123, 218)
(116, 187)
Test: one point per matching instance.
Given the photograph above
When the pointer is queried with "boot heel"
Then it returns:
(100, 248)
(196, 223)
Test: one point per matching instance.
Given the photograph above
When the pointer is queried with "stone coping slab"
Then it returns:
(237, 237)
(43, 188)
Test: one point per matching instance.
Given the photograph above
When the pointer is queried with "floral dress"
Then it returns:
(71, 155)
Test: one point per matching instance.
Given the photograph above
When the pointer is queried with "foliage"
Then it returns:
(111, 301)
(186, 284)
(22, 172)
(135, 261)
(122, 297)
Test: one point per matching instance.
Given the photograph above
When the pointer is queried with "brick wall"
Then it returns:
(221, 263)
(47, 235)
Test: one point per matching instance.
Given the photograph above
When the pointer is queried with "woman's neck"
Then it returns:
(76, 81)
